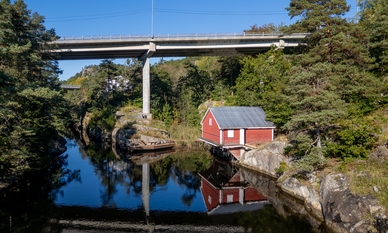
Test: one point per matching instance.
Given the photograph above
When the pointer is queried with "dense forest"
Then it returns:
(329, 97)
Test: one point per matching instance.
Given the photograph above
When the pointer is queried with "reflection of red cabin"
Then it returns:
(224, 191)
(235, 127)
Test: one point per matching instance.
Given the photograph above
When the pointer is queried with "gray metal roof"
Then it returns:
(240, 117)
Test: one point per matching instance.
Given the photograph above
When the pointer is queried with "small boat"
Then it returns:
(151, 146)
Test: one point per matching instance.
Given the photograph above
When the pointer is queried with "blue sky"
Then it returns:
(134, 17)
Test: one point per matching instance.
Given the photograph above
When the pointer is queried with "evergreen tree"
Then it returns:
(31, 105)
(374, 20)
(331, 77)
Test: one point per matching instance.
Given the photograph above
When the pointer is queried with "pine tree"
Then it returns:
(331, 78)
(31, 104)
(374, 20)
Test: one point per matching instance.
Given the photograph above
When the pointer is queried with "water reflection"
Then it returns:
(224, 190)
(181, 192)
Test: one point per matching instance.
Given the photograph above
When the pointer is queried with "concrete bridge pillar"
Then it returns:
(147, 79)
(146, 88)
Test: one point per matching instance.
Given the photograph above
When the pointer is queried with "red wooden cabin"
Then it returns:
(235, 127)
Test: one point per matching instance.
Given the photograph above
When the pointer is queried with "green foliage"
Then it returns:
(355, 140)
(103, 118)
(137, 103)
(31, 107)
(281, 169)
(330, 86)
(374, 20)
(167, 115)
(315, 100)
(262, 82)
(161, 95)
(313, 160)
(264, 29)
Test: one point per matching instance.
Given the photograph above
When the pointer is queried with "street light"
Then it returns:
(152, 20)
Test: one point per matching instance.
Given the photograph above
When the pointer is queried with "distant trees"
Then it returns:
(264, 29)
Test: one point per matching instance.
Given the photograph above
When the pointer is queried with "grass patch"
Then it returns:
(365, 174)
(185, 133)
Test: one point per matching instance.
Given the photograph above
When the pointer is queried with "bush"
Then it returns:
(281, 169)
(103, 118)
(354, 141)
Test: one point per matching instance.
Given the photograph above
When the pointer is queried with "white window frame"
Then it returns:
(210, 121)
(230, 133)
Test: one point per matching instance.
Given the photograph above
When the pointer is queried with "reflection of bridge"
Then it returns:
(144, 47)
(120, 220)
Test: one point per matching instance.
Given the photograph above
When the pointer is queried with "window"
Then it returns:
(229, 198)
(210, 121)
(209, 199)
(230, 133)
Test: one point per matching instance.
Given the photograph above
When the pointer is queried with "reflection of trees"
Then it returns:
(111, 172)
(29, 206)
(161, 171)
(192, 182)
(268, 220)
(183, 169)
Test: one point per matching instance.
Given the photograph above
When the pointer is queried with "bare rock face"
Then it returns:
(268, 159)
(288, 197)
(344, 211)
(311, 198)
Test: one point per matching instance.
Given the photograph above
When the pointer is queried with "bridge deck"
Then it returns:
(105, 47)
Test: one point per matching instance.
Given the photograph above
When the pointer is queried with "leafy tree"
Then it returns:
(161, 94)
(262, 82)
(134, 74)
(230, 69)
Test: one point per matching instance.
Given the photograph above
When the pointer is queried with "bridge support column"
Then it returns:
(146, 88)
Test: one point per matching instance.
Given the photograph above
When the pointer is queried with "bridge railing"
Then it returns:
(180, 35)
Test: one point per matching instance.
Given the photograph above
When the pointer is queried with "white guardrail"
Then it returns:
(180, 35)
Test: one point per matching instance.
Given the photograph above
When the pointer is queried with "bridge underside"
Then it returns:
(108, 51)
(144, 48)
(116, 53)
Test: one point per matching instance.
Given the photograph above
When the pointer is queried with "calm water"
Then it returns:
(176, 192)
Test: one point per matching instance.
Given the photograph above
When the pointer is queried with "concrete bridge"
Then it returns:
(169, 45)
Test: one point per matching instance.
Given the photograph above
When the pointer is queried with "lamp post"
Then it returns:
(152, 20)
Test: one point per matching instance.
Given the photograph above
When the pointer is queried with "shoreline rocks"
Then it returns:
(332, 204)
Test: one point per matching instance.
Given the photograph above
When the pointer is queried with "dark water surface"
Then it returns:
(175, 192)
